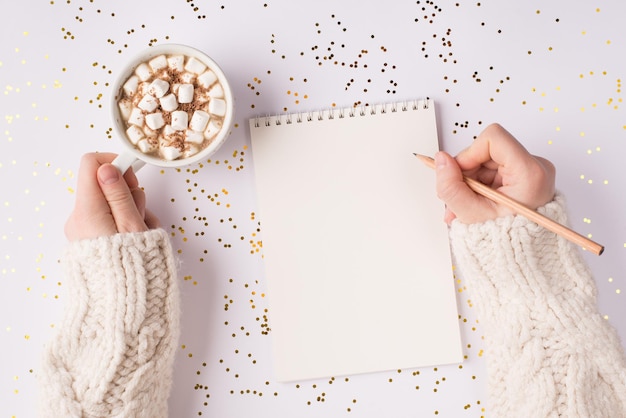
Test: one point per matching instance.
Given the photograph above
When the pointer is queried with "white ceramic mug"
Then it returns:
(133, 157)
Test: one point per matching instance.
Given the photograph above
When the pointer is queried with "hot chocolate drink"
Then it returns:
(172, 106)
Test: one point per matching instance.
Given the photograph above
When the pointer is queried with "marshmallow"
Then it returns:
(134, 134)
(169, 102)
(176, 62)
(126, 107)
(130, 86)
(187, 77)
(158, 63)
(148, 103)
(185, 93)
(195, 65)
(207, 78)
(199, 120)
(201, 98)
(142, 89)
(170, 153)
(194, 137)
(168, 130)
(212, 129)
(136, 117)
(217, 107)
(155, 120)
(159, 88)
(146, 146)
(191, 150)
(179, 120)
(149, 133)
(216, 92)
(143, 71)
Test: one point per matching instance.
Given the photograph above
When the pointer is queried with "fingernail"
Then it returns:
(108, 174)
(440, 160)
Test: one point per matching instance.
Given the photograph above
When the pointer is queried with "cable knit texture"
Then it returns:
(113, 353)
(549, 351)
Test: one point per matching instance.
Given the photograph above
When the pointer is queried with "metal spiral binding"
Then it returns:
(340, 113)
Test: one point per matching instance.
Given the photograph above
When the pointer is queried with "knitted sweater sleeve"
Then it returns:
(549, 351)
(113, 352)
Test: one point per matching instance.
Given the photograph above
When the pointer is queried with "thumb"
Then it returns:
(461, 202)
(118, 196)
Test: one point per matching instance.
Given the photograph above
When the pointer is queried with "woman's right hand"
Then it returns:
(497, 159)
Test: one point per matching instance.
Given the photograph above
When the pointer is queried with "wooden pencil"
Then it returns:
(525, 211)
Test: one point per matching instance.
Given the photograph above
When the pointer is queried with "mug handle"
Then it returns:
(126, 160)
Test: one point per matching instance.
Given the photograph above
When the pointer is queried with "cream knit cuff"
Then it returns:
(549, 350)
(113, 352)
(510, 262)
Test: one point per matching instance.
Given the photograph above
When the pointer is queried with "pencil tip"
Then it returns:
(426, 160)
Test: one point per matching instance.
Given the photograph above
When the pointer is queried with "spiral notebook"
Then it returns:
(356, 253)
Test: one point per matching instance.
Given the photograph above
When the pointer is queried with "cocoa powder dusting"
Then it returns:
(188, 107)
(174, 76)
(167, 116)
(177, 140)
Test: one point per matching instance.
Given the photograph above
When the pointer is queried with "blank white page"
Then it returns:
(356, 254)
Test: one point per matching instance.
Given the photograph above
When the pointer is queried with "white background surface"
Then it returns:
(550, 73)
